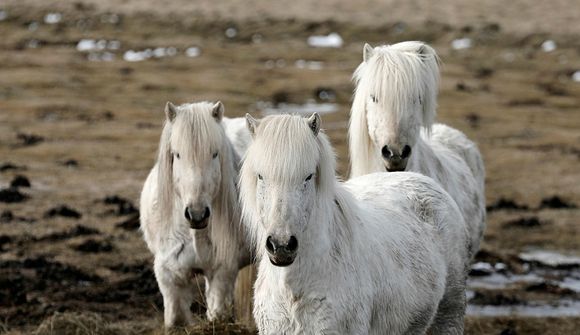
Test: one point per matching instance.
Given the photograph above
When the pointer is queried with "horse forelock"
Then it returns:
(196, 131)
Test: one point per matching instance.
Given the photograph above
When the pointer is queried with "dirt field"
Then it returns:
(84, 132)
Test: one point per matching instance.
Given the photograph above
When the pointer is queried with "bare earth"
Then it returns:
(84, 131)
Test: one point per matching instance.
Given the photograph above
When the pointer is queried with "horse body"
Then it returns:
(391, 128)
(381, 253)
(197, 167)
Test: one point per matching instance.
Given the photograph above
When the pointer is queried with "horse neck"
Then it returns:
(422, 157)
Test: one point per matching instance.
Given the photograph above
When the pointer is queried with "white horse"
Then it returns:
(380, 254)
(190, 213)
(391, 127)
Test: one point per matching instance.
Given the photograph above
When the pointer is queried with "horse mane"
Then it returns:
(195, 125)
(400, 75)
(291, 134)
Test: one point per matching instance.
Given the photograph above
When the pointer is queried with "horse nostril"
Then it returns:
(406, 151)
(270, 244)
(386, 152)
(292, 244)
(206, 213)
(188, 214)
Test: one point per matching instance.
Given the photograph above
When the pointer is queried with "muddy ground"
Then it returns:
(79, 132)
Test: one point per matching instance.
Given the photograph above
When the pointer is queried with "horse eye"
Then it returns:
(176, 155)
(215, 154)
(309, 177)
(374, 99)
(260, 177)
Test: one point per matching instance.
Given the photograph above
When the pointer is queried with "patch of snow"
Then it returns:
(461, 43)
(332, 40)
(549, 46)
(52, 18)
(193, 52)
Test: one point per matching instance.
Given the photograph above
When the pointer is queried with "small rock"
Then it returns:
(503, 203)
(4, 239)
(124, 206)
(524, 222)
(63, 211)
(508, 331)
(94, 246)
(280, 97)
(131, 224)
(29, 139)
(473, 120)
(483, 72)
(548, 287)
(12, 195)
(20, 181)
(555, 202)
(70, 163)
(494, 299)
(6, 216)
(462, 87)
(10, 166)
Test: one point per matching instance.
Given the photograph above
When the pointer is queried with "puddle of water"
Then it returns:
(576, 76)
(332, 40)
(497, 277)
(305, 109)
(461, 43)
(3, 15)
(550, 258)
(501, 281)
(564, 308)
(571, 284)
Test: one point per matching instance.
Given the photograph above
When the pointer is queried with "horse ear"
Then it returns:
(367, 52)
(252, 124)
(314, 123)
(170, 111)
(218, 111)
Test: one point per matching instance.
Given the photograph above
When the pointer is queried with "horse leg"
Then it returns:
(177, 296)
(219, 292)
(451, 311)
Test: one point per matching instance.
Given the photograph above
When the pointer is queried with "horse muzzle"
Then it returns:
(281, 253)
(395, 165)
(197, 219)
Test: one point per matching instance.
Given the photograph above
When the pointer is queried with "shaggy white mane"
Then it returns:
(286, 147)
(195, 128)
(398, 76)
